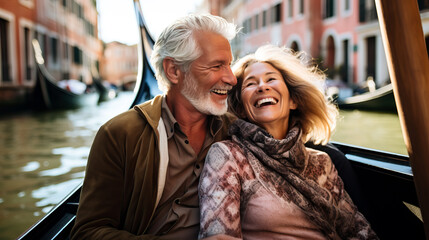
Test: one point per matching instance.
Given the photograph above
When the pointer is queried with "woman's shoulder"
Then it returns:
(319, 163)
(225, 148)
(318, 155)
(226, 158)
(226, 151)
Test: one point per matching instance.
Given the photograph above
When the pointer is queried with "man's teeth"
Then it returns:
(265, 100)
(220, 91)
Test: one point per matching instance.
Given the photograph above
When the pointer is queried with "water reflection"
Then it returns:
(43, 157)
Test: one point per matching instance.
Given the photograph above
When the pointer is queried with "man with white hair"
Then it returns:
(144, 166)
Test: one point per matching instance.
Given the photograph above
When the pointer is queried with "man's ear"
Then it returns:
(172, 71)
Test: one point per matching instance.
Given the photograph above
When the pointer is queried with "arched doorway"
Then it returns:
(294, 46)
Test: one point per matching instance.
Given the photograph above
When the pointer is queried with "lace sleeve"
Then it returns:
(219, 193)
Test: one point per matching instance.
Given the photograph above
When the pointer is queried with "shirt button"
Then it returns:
(186, 141)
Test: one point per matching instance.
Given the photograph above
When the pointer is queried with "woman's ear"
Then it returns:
(292, 104)
(172, 71)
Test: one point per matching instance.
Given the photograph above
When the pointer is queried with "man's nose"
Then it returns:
(229, 77)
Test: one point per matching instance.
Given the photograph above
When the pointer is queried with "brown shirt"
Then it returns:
(177, 214)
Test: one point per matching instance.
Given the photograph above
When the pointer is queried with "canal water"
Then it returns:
(43, 155)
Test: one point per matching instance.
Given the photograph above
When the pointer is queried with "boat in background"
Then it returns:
(387, 180)
(146, 85)
(48, 95)
(106, 90)
(381, 99)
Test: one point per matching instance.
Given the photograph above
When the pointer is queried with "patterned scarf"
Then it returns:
(283, 167)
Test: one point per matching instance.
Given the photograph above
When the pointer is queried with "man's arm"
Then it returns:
(102, 203)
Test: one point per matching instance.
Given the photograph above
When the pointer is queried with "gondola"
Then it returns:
(381, 99)
(48, 95)
(105, 91)
(395, 186)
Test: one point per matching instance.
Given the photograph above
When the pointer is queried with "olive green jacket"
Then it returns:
(125, 175)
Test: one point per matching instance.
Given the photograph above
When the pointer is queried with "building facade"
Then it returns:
(342, 36)
(67, 31)
(120, 64)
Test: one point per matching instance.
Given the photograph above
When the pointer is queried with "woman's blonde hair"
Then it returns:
(315, 114)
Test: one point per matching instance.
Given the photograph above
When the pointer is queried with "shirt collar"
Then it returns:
(171, 125)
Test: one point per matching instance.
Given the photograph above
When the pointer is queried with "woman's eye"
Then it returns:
(248, 84)
(271, 79)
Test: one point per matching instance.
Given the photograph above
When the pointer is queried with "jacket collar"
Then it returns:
(151, 110)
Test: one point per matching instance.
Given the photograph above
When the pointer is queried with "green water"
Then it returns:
(43, 157)
(372, 130)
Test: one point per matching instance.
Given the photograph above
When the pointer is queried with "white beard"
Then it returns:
(201, 100)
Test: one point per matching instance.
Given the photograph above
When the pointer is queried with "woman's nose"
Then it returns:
(262, 86)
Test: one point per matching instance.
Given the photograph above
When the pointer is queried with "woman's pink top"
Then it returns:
(253, 213)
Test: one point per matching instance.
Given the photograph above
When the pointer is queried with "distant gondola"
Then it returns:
(387, 180)
(106, 91)
(48, 95)
(381, 99)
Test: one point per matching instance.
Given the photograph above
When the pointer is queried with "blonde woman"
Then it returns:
(264, 183)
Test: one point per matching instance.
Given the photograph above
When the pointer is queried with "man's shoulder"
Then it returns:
(136, 117)
(151, 109)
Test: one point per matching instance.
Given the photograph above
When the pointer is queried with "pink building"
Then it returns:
(120, 64)
(342, 35)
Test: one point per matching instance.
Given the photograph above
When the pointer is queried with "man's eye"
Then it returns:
(217, 66)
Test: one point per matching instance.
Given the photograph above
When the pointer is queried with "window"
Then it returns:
(27, 55)
(346, 8)
(245, 26)
(250, 25)
(77, 9)
(54, 50)
(301, 7)
(346, 5)
(256, 21)
(77, 55)
(276, 13)
(89, 28)
(329, 9)
(290, 9)
(367, 11)
(4, 56)
(264, 18)
(65, 51)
